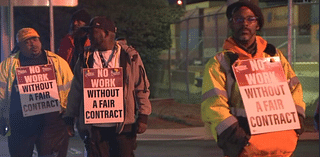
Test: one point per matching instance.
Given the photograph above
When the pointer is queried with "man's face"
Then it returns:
(31, 47)
(97, 37)
(77, 24)
(244, 25)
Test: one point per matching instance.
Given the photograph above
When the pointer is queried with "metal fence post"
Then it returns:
(187, 59)
(51, 26)
(289, 30)
(294, 47)
(169, 72)
(5, 34)
(216, 33)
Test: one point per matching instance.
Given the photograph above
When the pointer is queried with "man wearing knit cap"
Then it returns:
(67, 45)
(113, 123)
(222, 106)
(33, 96)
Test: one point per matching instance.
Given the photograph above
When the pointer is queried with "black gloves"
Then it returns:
(233, 140)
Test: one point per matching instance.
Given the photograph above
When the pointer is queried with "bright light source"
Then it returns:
(179, 2)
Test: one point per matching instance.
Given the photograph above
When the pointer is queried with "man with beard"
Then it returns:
(222, 106)
(45, 128)
(67, 45)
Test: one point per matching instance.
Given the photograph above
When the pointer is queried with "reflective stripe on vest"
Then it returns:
(214, 92)
(300, 110)
(3, 84)
(66, 86)
(293, 81)
(238, 112)
(227, 67)
(226, 124)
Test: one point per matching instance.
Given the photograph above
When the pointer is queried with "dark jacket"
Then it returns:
(137, 105)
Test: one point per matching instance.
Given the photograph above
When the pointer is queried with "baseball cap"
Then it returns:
(26, 33)
(254, 8)
(101, 22)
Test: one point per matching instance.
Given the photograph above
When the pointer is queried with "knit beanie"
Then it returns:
(253, 7)
(81, 15)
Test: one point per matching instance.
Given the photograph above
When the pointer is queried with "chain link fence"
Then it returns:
(201, 33)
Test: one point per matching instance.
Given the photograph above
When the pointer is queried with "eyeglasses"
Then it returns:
(249, 19)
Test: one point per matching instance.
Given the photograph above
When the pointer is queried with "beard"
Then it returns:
(36, 51)
(243, 35)
(74, 28)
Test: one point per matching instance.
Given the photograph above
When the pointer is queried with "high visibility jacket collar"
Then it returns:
(231, 45)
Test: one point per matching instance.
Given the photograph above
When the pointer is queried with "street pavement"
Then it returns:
(200, 133)
(185, 142)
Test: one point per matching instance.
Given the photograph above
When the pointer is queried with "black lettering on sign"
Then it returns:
(272, 119)
(37, 87)
(41, 96)
(104, 114)
(40, 105)
(259, 109)
(103, 103)
(106, 103)
(102, 93)
(94, 104)
(30, 97)
(265, 91)
(272, 105)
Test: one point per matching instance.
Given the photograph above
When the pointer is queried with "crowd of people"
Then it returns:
(99, 85)
(37, 109)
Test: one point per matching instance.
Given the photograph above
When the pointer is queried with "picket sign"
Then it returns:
(266, 95)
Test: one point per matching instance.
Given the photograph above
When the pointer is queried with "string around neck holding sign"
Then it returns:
(103, 61)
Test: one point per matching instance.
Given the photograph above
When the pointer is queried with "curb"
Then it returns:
(197, 133)
(190, 133)
(193, 133)
(309, 136)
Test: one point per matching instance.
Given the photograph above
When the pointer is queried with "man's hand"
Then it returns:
(3, 126)
(62, 112)
(142, 123)
(301, 130)
(70, 130)
(232, 140)
(142, 127)
(69, 121)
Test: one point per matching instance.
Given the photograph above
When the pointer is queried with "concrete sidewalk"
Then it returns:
(199, 133)
(174, 134)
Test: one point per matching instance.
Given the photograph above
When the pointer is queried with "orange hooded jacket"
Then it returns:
(222, 105)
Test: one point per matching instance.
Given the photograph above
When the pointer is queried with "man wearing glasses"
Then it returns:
(222, 105)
